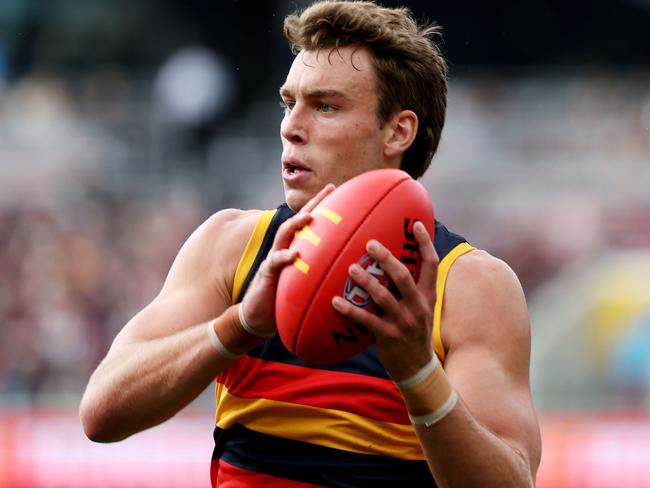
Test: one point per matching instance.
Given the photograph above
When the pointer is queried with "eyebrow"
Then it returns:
(319, 93)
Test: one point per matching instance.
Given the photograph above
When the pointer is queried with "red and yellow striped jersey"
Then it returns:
(340, 425)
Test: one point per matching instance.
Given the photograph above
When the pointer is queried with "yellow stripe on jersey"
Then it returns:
(325, 427)
(250, 252)
(443, 271)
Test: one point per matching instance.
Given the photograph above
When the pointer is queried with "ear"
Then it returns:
(400, 133)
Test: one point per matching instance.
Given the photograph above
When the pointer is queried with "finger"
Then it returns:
(398, 273)
(369, 320)
(287, 230)
(285, 233)
(311, 204)
(381, 295)
(429, 267)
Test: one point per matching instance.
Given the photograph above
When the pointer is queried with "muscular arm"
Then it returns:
(491, 437)
(162, 358)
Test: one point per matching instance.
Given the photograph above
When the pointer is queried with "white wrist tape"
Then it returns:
(420, 375)
(218, 345)
(248, 328)
(428, 395)
(433, 417)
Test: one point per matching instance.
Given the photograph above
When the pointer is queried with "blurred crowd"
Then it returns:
(84, 241)
(71, 278)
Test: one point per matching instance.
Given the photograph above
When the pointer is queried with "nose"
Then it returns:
(293, 127)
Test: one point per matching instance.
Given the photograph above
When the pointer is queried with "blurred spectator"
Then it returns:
(70, 280)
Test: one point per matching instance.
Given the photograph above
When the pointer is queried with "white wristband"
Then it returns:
(248, 328)
(428, 394)
(420, 375)
(432, 418)
(218, 345)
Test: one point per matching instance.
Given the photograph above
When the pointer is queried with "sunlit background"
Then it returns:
(124, 124)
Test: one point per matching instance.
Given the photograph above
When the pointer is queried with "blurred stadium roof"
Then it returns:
(508, 33)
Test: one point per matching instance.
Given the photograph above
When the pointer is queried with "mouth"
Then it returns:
(292, 167)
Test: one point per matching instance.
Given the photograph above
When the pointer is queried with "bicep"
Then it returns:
(489, 352)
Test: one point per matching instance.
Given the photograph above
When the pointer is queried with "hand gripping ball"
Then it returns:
(381, 204)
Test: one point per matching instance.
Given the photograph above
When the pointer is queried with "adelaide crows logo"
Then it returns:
(356, 295)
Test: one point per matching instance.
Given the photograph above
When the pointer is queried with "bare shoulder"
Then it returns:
(199, 282)
(211, 253)
(484, 302)
(224, 234)
(226, 225)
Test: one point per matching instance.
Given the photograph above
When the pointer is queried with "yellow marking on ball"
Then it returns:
(301, 265)
(330, 215)
(309, 235)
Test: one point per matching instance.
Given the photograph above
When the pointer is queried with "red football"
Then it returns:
(381, 204)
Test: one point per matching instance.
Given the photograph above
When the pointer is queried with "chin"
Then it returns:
(296, 199)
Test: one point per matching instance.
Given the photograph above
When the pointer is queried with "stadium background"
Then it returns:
(125, 124)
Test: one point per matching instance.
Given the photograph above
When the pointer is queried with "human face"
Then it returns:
(330, 131)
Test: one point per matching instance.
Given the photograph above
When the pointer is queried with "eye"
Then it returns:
(287, 105)
(325, 107)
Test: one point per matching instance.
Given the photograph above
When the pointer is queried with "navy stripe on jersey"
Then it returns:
(366, 362)
(444, 240)
(311, 463)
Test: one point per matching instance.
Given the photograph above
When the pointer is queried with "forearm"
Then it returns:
(462, 453)
(141, 384)
(460, 450)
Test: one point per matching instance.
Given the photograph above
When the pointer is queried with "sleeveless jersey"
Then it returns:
(282, 422)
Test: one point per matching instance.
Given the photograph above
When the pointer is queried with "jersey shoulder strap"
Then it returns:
(258, 246)
(449, 246)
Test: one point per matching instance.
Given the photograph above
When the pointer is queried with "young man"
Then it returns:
(366, 90)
